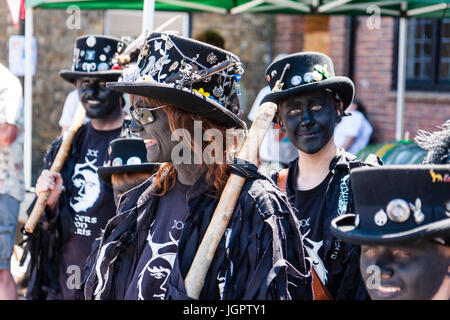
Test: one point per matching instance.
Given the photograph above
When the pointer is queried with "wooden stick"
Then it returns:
(197, 273)
(195, 278)
(56, 166)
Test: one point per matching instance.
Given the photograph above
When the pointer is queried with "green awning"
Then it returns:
(411, 8)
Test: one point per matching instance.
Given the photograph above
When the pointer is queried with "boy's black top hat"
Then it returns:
(308, 71)
(191, 75)
(94, 56)
(396, 204)
(126, 155)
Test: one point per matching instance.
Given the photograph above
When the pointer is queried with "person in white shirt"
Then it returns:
(11, 174)
(354, 131)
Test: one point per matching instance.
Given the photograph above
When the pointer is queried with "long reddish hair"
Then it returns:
(216, 174)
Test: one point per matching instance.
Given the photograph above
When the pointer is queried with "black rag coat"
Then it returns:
(261, 255)
(341, 259)
(49, 235)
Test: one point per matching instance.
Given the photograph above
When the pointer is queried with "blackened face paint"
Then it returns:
(309, 120)
(98, 101)
(157, 134)
(135, 126)
(404, 272)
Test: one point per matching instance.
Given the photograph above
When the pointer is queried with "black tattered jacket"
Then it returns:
(341, 259)
(47, 239)
(261, 255)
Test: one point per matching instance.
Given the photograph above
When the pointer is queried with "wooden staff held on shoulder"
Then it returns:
(56, 166)
(195, 278)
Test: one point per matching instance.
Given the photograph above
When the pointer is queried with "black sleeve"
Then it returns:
(352, 285)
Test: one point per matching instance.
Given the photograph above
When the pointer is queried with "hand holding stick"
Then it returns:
(56, 166)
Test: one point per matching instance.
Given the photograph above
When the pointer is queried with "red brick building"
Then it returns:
(368, 56)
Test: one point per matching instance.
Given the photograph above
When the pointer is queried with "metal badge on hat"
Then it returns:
(91, 41)
(398, 210)
(417, 209)
(380, 218)
(320, 73)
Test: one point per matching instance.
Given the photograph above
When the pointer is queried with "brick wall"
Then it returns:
(338, 46)
(316, 34)
(6, 30)
(373, 70)
(373, 74)
(249, 36)
(289, 32)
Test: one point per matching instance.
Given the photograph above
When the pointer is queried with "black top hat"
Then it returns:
(308, 71)
(94, 56)
(126, 155)
(191, 75)
(396, 204)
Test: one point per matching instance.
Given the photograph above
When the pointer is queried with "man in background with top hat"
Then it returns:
(79, 204)
(311, 102)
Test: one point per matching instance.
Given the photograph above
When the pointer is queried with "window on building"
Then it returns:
(428, 54)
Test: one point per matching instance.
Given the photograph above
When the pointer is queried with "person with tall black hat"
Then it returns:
(182, 87)
(79, 204)
(404, 231)
(127, 166)
(311, 103)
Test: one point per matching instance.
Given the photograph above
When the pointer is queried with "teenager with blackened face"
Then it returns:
(178, 96)
(404, 231)
(311, 103)
(79, 204)
(309, 121)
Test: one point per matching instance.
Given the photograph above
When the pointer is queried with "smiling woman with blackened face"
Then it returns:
(156, 131)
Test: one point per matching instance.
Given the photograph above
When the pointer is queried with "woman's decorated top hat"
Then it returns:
(395, 204)
(191, 75)
(307, 72)
(95, 56)
(126, 155)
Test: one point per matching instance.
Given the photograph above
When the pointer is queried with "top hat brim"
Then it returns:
(343, 228)
(72, 76)
(106, 172)
(184, 98)
(342, 85)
